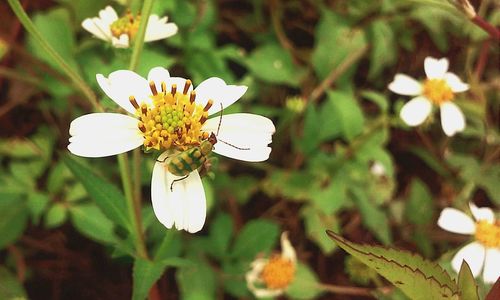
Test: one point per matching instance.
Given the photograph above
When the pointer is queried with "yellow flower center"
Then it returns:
(437, 90)
(127, 24)
(174, 120)
(278, 273)
(488, 234)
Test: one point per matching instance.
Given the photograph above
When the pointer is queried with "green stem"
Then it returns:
(141, 32)
(30, 27)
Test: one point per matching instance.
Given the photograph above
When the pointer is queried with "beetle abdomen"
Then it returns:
(185, 162)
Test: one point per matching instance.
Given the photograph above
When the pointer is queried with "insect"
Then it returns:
(182, 164)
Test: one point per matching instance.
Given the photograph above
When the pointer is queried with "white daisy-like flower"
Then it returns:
(121, 31)
(168, 115)
(482, 254)
(439, 89)
(270, 277)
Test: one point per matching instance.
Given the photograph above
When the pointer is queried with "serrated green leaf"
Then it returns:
(305, 284)
(347, 112)
(13, 218)
(107, 197)
(383, 51)
(10, 287)
(418, 278)
(91, 222)
(145, 274)
(257, 236)
(467, 286)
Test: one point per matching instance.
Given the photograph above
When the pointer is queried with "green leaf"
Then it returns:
(419, 209)
(234, 281)
(37, 203)
(196, 282)
(107, 197)
(305, 284)
(345, 109)
(257, 236)
(221, 232)
(315, 223)
(145, 274)
(331, 32)
(10, 287)
(91, 222)
(55, 216)
(13, 218)
(373, 217)
(383, 51)
(379, 99)
(310, 139)
(273, 64)
(56, 29)
(418, 278)
(151, 58)
(467, 286)
(329, 199)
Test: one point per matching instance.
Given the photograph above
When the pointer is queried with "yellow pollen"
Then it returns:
(173, 121)
(278, 273)
(437, 90)
(127, 24)
(488, 234)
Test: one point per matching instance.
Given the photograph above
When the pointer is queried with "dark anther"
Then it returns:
(152, 86)
(203, 119)
(174, 89)
(186, 87)
(192, 96)
(133, 101)
(209, 104)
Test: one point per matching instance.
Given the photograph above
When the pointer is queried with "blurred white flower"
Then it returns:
(169, 116)
(482, 254)
(270, 277)
(121, 31)
(438, 89)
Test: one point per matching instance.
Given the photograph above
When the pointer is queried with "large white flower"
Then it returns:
(438, 89)
(121, 31)
(482, 254)
(270, 277)
(169, 116)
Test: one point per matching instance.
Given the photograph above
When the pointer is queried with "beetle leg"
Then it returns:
(175, 180)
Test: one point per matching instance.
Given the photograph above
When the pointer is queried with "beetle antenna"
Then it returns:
(239, 148)
(220, 119)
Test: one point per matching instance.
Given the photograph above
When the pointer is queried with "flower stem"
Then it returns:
(141, 32)
(72, 74)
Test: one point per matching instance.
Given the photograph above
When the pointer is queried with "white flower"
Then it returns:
(438, 89)
(270, 277)
(121, 31)
(484, 252)
(169, 116)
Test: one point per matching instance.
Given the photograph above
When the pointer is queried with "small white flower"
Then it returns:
(270, 277)
(169, 116)
(438, 89)
(482, 254)
(378, 169)
(121, 31)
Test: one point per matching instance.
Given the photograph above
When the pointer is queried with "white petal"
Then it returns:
(491, 265)
(185, 205)
(89, 25)
(216, 89)
(252, 278)
(473, 254)
(482, 213)
(435, 68)
(456, 221)
(452, 118)
(103, 134)
(159, 75)
(415, 111)
(108, 15)
(405, 85)
(255, 154)
(287, 250)
(159, 29)
(122, 84)
(267, 293)
(122, 42)
(455, 83)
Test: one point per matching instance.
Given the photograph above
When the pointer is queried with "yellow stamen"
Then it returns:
(128, 25)
(437, 90)
(278, 273)
(173, 121)
(488, 234)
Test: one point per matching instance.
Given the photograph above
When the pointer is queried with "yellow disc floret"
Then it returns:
(173, 121)
(127, 24)
(278, 273)
(437, 90)
(488, 234)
